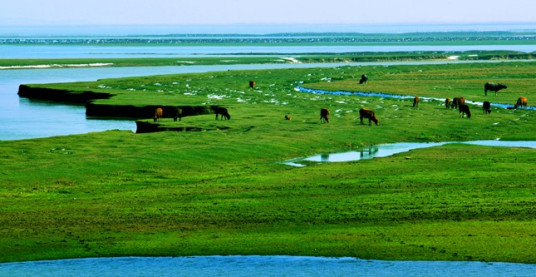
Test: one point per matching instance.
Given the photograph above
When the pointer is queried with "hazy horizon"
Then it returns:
(170, 29)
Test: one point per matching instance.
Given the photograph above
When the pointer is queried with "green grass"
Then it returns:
(224, 192)
(267, 58)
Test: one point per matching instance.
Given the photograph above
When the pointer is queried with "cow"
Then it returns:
(178, 114)
(288, 117)
(493, 87)
(223, 112)
(324, 115)
(158, 113)
(368, 113)
(252, 84)
(464, 109)
(486, 107)
(521, 102)
(416, 101)
(447, 103)
(363, 79)
(457, 101)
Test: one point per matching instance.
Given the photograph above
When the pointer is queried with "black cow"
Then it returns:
(486, 107)
(363, 79)
(223, 112)
(464, 109)
(493, 87)
(324, 115)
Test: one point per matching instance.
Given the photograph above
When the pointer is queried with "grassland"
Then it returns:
(267, 58)
(224, 192)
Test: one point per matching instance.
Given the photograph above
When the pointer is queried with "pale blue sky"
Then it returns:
(124, 12)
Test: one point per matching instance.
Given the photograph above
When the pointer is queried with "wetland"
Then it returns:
(116, 193)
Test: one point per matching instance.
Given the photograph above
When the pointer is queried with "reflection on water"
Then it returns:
(258, 266)
(385, 150)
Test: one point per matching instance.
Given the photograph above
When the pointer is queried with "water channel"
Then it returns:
(237, 266)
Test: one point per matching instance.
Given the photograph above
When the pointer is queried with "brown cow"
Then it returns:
(158, 113)
(368, 113)
(324, 115)
(457, 101)
(486, 107)
(178, 114)
(521, 102)
(252, 84)
(416, 101)
(464, 109)
(447, 103)
(223, 112)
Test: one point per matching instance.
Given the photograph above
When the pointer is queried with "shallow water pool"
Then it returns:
(385, 150)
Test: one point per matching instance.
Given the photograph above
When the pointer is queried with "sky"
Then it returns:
(221, 12)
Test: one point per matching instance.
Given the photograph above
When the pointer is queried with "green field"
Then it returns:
(268, 58)
(225, 191)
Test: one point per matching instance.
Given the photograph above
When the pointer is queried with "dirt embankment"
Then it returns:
(60, 95)
(116, 111)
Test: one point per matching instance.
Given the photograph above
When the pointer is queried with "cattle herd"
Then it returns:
(455, 103)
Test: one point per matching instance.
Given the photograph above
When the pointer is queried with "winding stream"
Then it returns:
(399, 96)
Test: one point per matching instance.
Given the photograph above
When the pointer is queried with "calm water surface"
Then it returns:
(78, 51)
(389, 149)
(259, 266)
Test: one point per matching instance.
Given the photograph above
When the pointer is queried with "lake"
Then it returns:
(81, 51)
(237, 266)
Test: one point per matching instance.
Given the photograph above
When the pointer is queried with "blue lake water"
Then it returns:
(238, 266)
(80, 51)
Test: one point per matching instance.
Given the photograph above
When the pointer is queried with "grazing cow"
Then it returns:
(493, 87)
(288, 117)
(368, 113)
(158, 113)
(416, 101)
(223, 112)
(521, 102)
(363, 79)
(178, 114)
(457, 101)
(486, 107)
(447, 103)
(252, 84)
(324, 115)
(464, 109)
